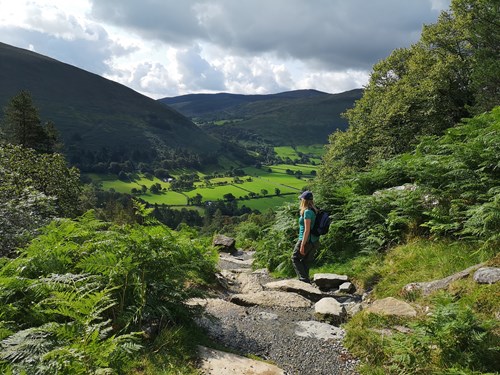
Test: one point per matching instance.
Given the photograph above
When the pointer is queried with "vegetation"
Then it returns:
(34, 189)
(82, 307)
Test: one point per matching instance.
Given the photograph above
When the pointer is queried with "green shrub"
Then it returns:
(451, 340)
(76, 295)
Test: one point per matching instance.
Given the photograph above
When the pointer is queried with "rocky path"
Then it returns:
(283, 322)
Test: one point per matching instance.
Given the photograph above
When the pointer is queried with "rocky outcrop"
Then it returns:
(487, 275)
(392, 306)
(429, 287)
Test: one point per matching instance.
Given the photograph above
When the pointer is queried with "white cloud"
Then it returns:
(171, 47)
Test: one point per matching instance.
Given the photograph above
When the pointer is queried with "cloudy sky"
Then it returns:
(166, 48)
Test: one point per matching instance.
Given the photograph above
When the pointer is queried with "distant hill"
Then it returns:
(97, 115)
(288, 118)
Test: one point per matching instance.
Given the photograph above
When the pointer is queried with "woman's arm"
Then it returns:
(305, 236)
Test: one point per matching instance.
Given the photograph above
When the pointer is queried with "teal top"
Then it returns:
(308, 214)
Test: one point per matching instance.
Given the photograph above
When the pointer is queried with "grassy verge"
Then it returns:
(458, 334)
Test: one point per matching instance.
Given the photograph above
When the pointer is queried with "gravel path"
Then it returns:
(271, 334)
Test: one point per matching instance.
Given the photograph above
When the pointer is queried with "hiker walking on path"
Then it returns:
(307, 244)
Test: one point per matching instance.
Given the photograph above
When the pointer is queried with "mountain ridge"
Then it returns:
(288, 118)
(93, 113)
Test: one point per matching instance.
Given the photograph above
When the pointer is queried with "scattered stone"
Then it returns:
(271, 299)
(353, 308)
(347, 287)
(224, 243)
(215, 362)
(427, 288)
(487, 275)
(330, 310)
(392, 306)
(329, 281)
(320, 331)
(295, 286)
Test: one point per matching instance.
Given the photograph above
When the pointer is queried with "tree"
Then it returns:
(451, 73)
(277, 191)
(264, 192)
(22, 125)
(34, 188)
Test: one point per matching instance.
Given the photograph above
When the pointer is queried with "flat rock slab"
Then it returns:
(215, 362)
(295, 286)
(320, 331)
(487, 275)
(271, 299)
(328, 281)
(230, 262)
(392, 306)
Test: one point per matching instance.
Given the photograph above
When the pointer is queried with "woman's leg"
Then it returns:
(298, 263)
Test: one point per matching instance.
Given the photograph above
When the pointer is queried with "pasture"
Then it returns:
(248, 191)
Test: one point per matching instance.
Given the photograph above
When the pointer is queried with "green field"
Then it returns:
(256, 180)
(263, 204)
(315, 152)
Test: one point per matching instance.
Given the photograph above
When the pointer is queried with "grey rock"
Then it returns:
(392, 306)
(225, 243)
(329, 281)
(271, 299)
(429, 287)
(353, 308)
(296, 286)
(216, 362)
(347, 287)
(487, 275)
(329, 310)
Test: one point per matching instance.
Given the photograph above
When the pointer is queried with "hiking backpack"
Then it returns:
(322, 223)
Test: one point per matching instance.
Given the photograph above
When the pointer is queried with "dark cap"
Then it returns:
(307, 195)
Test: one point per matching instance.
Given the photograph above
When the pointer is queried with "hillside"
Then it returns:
(96, 115)
(289, 118)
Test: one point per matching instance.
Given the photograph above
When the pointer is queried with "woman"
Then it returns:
(306, 246)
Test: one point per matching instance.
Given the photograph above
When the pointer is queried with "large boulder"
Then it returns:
(271, 299)
(329, 281)
(295, 286)
(487, 275)
(215, 362)
(225, 243)
(329, 310)
(392, 306)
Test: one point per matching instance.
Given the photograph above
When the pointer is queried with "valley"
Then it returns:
(258, 188)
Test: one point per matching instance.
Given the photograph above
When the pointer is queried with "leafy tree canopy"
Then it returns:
(451, 73)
